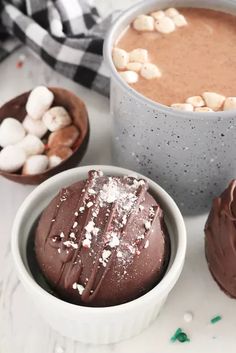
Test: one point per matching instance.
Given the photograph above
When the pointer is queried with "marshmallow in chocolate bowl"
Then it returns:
(102, 241)
(220, 240)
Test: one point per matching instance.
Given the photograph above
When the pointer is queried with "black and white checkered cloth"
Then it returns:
(66, 34)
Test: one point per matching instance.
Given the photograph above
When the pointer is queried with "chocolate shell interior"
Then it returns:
(76, 108)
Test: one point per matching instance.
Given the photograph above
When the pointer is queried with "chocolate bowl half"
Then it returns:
(78, 112)
(96, 325)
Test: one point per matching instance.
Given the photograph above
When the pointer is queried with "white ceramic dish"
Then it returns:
(96, 325)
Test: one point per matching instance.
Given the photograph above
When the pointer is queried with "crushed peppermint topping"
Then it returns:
(106, 254)
(69, 243)
(79, 287)
(119, 254)
(86, 243)
(141, 207)
(75, 224)
(59, 250)
(90, 226)
(91, 191)
(146, 244)
(62, 235)
(81, 209)
(147, 225)
(76, 214)
(89, 204)
(114, 240)
(72, 235)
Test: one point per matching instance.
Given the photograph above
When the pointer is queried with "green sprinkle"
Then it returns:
(180, 336)
(175, 335)
(215, 319)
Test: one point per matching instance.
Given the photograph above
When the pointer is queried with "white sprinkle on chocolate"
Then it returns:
(79, 287)
(89, 204)
(81, 209)
(119, 254)
(146, 244)
(90, 226)
(86, 243)
(62, 235)
(72, 235)
(91, 191)
(147, 225)
(114, 240)
(141, 208)
(75, 224)
(76, 214)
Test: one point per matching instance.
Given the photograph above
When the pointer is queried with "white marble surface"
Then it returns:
(21, 328)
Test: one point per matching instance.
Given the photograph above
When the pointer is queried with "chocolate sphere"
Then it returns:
(102, 241)
(220, 240)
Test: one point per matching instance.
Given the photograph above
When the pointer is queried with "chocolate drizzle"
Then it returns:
(220, 240)
(109, 229)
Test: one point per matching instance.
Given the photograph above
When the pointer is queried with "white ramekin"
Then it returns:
(96, 325)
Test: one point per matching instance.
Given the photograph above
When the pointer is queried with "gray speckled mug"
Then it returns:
(192, 155)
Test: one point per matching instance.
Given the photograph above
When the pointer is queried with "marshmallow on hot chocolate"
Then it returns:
(39, 101)
(31, 144)
(230, 103)
(213, 100)
(12, 158)
(134, 66)
(150, 71)
(35, 165)
(120, 58)
(171, 12)
(196, 101)
(138, 55)
(58, 154)
(64, 137)
(56, 118)
(11, 132)
(183, 106)
(165, 25)
(129, 76)
(180, 21)
(203, 109)
(158, 14)
(34, 127)
(144, 23)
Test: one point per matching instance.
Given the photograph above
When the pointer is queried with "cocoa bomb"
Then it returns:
(102, 241)
(220, 240)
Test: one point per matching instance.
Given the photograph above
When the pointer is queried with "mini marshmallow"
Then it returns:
(53, 161)
(129, 76)
(171, 12)
(165, 25)
(12, 158)
(213, 100)
(34, 127)
(150, 71)
(138, 55)
(11, 132)
(31, 144)
(64, 137)
(39, 101)
(158, 14)
(58, 154)
(120, 58)
(134, 66)
(230, 103)
(180, 21)
(56, 118)
(35, 165)
(144, 23)
(196, 101)
(183, 106)
(203, 109)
